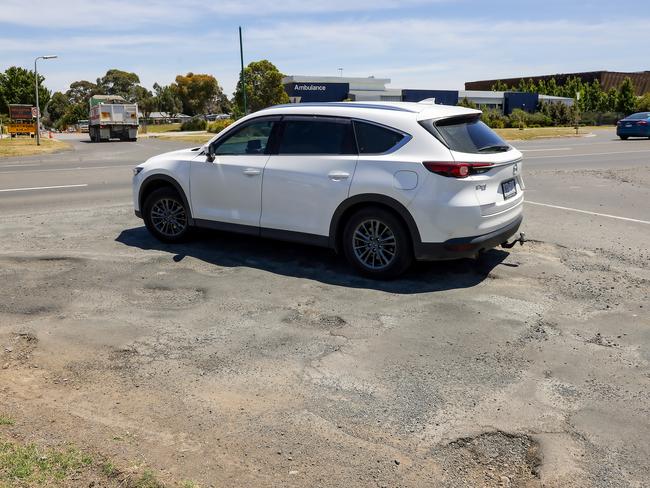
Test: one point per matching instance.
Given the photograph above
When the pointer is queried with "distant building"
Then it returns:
(303, 89)
(164, 117)
(607, 80)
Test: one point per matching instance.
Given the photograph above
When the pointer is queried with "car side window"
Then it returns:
(317, 137)
(250, 139)
(374, 139)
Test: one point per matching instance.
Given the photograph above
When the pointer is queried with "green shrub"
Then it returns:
(538, 119)
(494, 118)
(643, 103)
(600, 118)
(195, 123)
(517, 118)
(219, 125)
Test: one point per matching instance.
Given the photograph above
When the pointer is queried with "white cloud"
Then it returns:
(418, 52)
(116, 15)
(125, 15)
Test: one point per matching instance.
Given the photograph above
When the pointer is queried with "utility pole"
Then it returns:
(576, 111)
(38, 109)
(243, 76)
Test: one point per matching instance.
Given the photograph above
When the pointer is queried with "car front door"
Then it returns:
(229, 188)
(310, 175)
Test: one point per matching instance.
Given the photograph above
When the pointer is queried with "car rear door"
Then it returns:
(310, 175)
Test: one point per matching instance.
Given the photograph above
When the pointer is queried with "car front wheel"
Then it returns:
(377, 243)
(166, 216)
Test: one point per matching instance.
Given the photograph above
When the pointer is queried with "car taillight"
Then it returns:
(642, 122)
(456, 170)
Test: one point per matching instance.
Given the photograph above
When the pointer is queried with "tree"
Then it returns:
(57, 107)
(263, 87)
(18, 85)
(196, 92)
(74, 113)
(522, 86)
(167, 100)
(118, 82)
(626, 99)
(610, 100)
(465, 102)
(138, 94)
(643, 103)
(592, 97)
(81, 91)
(500, 86)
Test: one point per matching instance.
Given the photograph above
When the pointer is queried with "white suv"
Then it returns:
(385, 182)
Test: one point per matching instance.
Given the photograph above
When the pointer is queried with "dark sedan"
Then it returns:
(635, 125)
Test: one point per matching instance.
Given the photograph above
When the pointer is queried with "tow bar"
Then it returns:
(521, 240)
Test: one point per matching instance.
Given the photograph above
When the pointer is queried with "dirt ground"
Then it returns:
(234, 361)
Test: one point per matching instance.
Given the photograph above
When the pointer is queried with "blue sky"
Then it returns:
(418, 44)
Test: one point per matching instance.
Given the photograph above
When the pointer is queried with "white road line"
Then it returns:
(78, 168)
(22, 164)
(588, 154)
(548, 149)
(590, 213)
(43, 187)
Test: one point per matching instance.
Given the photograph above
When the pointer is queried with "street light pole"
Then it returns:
(38, 108)
(243, 75)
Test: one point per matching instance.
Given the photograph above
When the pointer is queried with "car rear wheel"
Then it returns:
(166, 215)
(623, 137)
(377, 244)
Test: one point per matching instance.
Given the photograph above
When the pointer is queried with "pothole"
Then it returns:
(17, 349)
(492, 459)
(168, 297)
(314, 319)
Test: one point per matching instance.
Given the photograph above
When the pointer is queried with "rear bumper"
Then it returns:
(464, 247)
(633, 131)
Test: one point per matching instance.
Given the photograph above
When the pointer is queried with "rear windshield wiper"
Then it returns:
(495, 148)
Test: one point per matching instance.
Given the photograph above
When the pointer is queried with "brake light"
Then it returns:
(456, 170)
(642, 122)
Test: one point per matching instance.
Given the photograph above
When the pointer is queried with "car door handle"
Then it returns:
(338, 175)
(252, 171)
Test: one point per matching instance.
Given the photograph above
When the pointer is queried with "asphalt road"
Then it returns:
(236, 361)
(581, 174)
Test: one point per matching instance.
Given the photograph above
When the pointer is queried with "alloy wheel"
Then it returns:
(374, 244)
(168, 217)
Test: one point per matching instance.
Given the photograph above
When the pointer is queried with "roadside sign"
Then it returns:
(21, 112)
(34, 112)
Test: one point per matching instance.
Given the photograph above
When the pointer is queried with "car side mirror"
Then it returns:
(209, 154)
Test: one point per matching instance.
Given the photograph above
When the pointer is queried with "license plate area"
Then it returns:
(509, 188)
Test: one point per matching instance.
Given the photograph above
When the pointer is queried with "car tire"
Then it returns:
(377, 244)
(166, 215)
(624, 138)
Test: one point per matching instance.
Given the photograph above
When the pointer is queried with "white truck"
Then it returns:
(112, 117)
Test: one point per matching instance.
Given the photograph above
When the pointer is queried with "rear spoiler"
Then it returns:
(438, 112)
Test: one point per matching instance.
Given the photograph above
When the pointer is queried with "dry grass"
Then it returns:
(26, 146)
(151, 128)
(541, 133)
(198, 138)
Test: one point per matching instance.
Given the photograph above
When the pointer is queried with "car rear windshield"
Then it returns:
(466, 133)
(641, 115)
